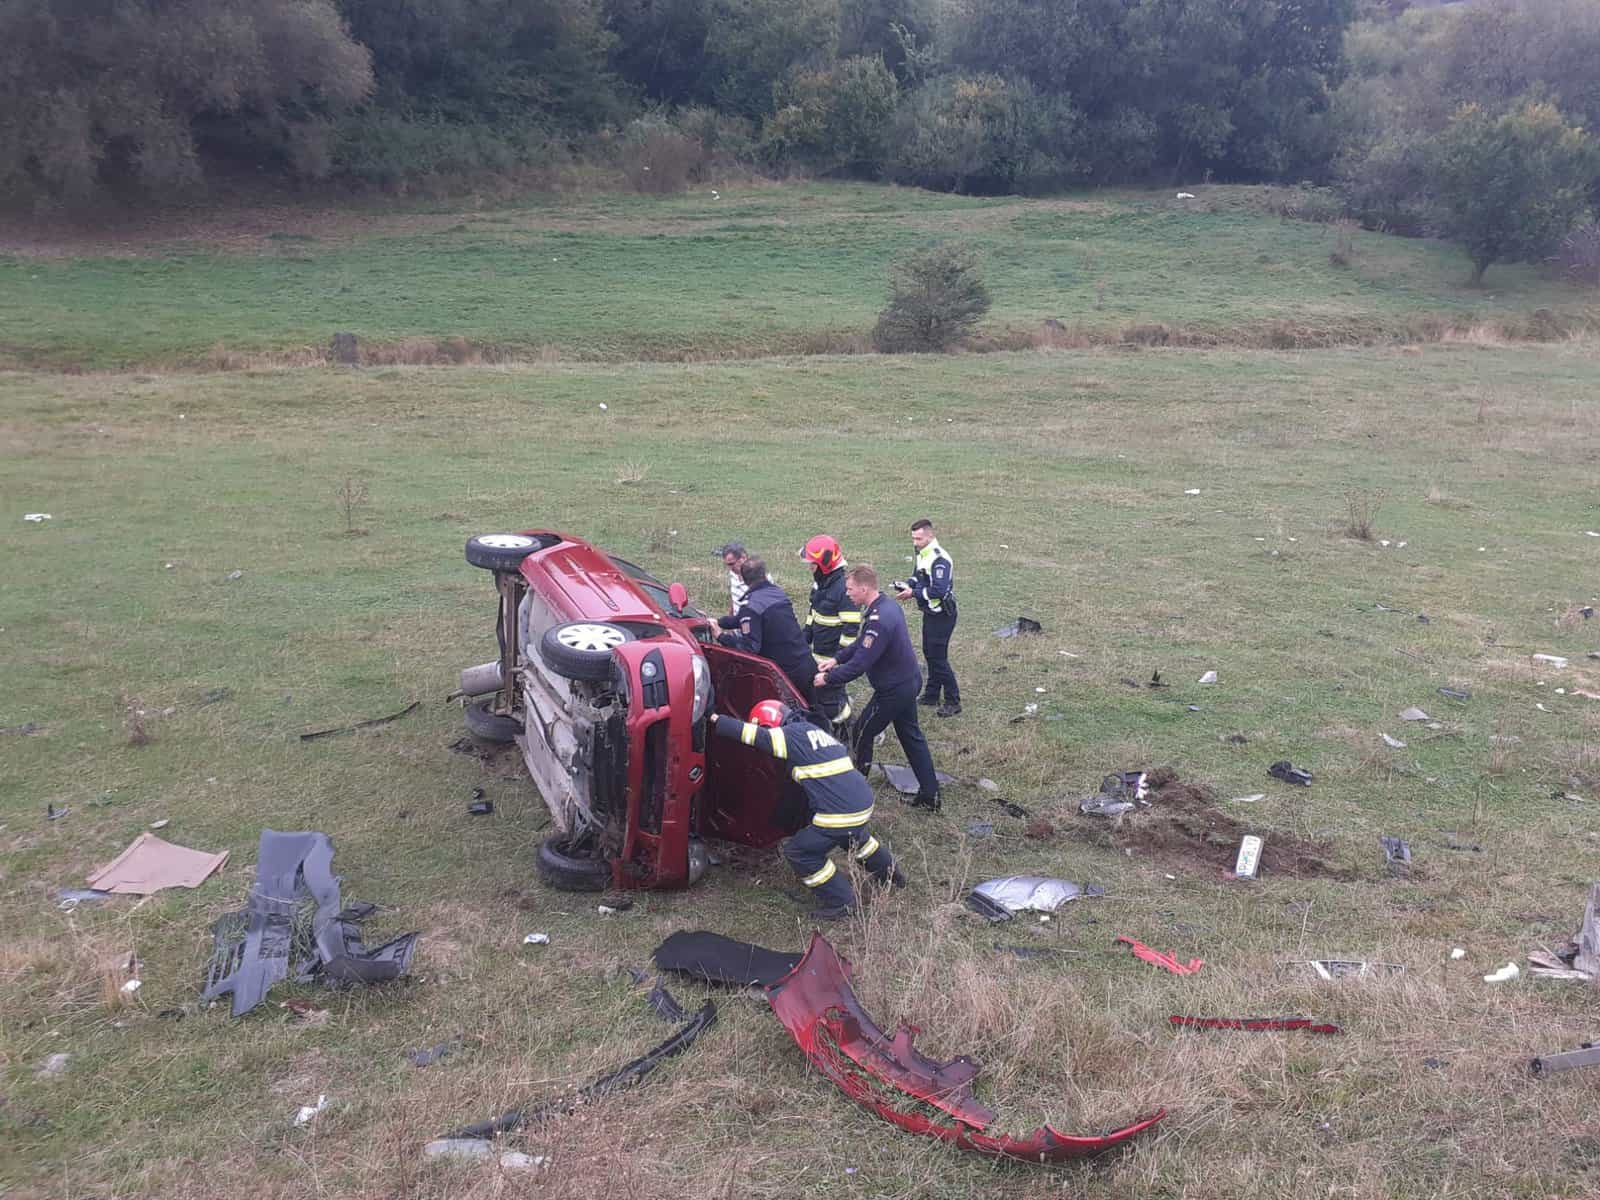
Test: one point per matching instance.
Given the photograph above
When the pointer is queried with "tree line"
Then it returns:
(154, 100)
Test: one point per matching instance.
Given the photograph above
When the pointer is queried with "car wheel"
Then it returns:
(491, 726)
(582, 649)
(501, 551)
(569, 872)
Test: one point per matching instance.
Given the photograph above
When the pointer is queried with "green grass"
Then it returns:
(1058, 481)
(769, 270)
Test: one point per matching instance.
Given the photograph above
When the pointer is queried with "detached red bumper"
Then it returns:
(820, 1011)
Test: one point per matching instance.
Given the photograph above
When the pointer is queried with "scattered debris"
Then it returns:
(52, 1066)
(1414, 714)
(1033, 893)
(904, 780)
(1555, 660)
(717, 959)
(1457, 954)
(466, 1149)
(292, 926)
(981, 829)
(1393, 743)
(1209, 677)
(306, 1012)
(816, 1005)
(376, 721)
(1397, 854)
(1587, 1055)
(36, 518)
(131, 986)
(52, 813)
(1285, 770)
(429, 1055)
(149, 864)
(1544, 965)
(1185, 195)
(1249, 860)
(990, 910)
(515, 1160)
(479, 807)
(665, 1005)
(1155, 681)
(1237, 739)
(308, 1111)
(988, 785)
(1189, 491)
(1504, 975)
(1248, 799)
(1329, 969)
(68, 899)
(214, 696)
(24, 729)
(1105, 806)
(1451, 842)
(1255, 1024)
(235, 575)
(624, 1076)
(536, 939)
(1020, 626)
(1170, 963)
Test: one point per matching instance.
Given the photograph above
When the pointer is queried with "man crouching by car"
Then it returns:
(839, 796)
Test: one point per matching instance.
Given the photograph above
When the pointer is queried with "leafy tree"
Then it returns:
(984, 135)
(1512, 185)
(883, 29)
(659, 48)
(937, 297)
(100, 93)
(754, 44)
(835, 120)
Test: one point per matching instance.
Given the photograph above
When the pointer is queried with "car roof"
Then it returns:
(590, 583)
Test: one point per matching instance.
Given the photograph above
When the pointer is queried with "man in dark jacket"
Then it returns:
(884, 654)
(832, 622)
(840, 800)
(766, 625)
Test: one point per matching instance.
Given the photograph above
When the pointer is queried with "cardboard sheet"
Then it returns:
(150, 864)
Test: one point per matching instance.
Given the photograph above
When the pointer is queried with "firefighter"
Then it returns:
(833, 621)
(766, 625)
(840, 800)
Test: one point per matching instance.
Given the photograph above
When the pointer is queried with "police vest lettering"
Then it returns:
(820, 740)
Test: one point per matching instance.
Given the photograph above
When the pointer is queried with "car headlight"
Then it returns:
(702, 687)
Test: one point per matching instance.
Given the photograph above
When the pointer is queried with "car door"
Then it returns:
(749, 795)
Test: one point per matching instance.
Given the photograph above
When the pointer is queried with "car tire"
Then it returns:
(568, 872)
(501, 551)
(582, 649)
(489, 726)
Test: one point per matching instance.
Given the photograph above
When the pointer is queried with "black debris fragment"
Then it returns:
(623, 1077)
(1285, 770)
(1021, 625)
(479, 806)
(1155, 680)
(429, 1055)
(372, 724)
(1454, 694)
(665, 1004)
(718, 959)
(1013, 810)
(26, 727)
(991, 910)
(52, 813)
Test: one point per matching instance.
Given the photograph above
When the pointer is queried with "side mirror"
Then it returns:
(679, 595)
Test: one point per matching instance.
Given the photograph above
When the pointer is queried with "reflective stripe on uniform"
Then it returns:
(747, 735)
(842, 820)
(823, 619)
(821, 770)
(868, 848)
(780, 744)
(847, 641)
(822, 876)
(844, 713)
(853, 617)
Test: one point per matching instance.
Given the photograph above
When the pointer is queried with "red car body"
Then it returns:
(655, 789)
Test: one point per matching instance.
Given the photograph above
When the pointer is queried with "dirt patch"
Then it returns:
(1183, 827)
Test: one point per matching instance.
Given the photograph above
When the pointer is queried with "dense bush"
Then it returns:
(985, 135)
(836, 120)
(937, 296)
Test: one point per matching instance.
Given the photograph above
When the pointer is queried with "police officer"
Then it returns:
(766, 625)
(840, 800)
(885, 655)
(932, 585)
(832, 622)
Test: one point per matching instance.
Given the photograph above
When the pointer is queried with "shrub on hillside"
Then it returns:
(658, 158)
(1580, 254)
(835, 120)
(984, 135)
(937, 297)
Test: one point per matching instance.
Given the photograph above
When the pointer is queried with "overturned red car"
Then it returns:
(603, 681)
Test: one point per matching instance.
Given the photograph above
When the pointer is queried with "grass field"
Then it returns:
(756, 271)
(1060, 483)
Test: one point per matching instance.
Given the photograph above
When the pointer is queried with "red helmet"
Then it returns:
(824, 552)
(770, 713)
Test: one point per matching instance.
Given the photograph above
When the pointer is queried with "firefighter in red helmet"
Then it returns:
(839, 796)
(834, 621)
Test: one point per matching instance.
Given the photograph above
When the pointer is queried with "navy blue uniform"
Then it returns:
(766, 625)
(832, 623)
(933, 585)
(884, 654)
(840, 800)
